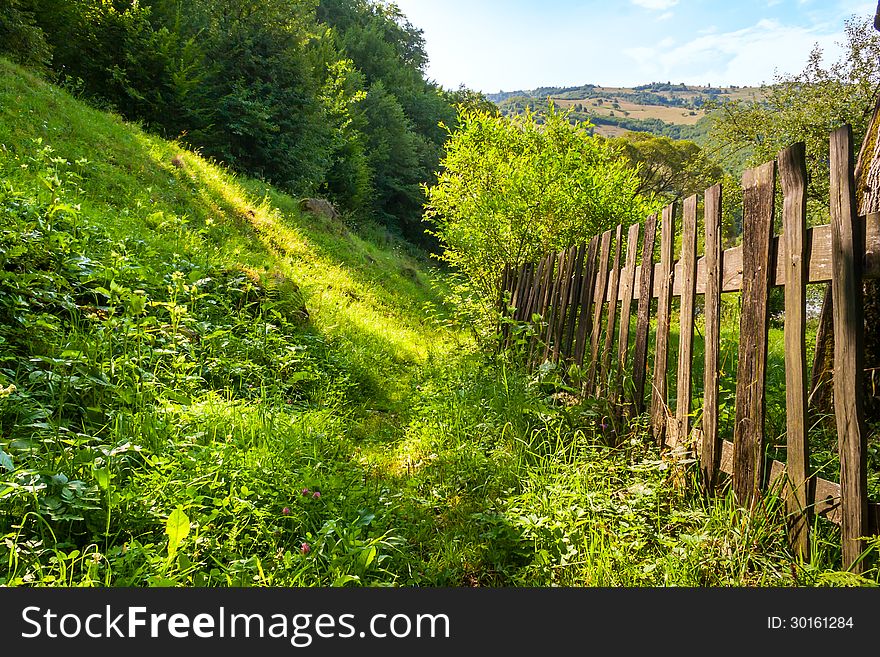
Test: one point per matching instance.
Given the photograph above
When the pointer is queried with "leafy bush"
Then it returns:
(512, 191)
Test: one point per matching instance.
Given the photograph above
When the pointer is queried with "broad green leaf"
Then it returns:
(102, 476)
(177, 528)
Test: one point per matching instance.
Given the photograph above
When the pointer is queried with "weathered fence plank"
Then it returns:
(659, 408)
(748, 444)
(613, 287)
(818, 260)
(553, 304)
(824, 498)
(848, 358)
(628, 282)
(711, 440)
(601, 286)
(564, 301)
(577, 277)
(587, 289)
(688, 275)
(643, 321)
(793, 174)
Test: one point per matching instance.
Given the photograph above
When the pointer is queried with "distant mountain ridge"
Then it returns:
(679, 111)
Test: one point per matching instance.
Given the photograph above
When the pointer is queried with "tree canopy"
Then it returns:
(318, 96)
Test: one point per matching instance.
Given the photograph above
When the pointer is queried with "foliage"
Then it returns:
(317, 97)
(806, 106)
(512, 191)
(20, 36)
(667, 168)
(171, 416)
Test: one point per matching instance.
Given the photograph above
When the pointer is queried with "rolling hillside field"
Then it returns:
(656, 107)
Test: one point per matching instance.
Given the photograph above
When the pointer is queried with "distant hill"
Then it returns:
(678, 111)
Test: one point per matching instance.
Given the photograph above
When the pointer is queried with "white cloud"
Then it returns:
(666, 16)
(657, 5)
(738, 57)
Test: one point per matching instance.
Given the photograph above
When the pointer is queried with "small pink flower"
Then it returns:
(305, 549)
(305, 491)
(316, 495)
(286, 511)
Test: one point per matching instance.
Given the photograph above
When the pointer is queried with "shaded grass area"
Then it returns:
(178, 342)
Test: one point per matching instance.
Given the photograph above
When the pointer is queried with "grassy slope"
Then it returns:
(130, 391)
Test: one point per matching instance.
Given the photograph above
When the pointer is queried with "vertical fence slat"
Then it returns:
(661, 342)
(748, 442)
(686, 322)
(577, 277)
(613, 291)
(564, 301)
(628, 281)
(542, 292)
(710, 457)
(793, 174)
(587, 288)
(599, 303)
(553, 303)
(846, 258)
(643, 322)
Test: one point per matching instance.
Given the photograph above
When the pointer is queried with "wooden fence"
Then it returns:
(576, 295)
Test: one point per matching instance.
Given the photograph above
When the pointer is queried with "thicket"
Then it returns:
(319, 97)
(512, 190)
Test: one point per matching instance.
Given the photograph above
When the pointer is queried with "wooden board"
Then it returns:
(577, 277)
(599, 297)
(818, 260)
(553, 304)
(585, 317)
(643, 321)
(628, 281)
(613, 287)
(759, 187)
(793, 174)
(846, 293)
(688, 276)
(823, 499)
(711, 440)
(659, 408)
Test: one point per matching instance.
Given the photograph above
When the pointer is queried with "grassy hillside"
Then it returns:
(202, 385)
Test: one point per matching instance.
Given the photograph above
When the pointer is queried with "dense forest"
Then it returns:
(324, 97)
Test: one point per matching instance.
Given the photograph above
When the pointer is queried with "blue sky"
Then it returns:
(490, 45)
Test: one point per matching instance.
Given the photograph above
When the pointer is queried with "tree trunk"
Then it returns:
(867, 175)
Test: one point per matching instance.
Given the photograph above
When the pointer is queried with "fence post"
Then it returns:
(682, 432)
(846, 281)
(759, 186)
(793, 174)
(661, 343)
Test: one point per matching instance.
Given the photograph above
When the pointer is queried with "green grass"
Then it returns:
(202, 386)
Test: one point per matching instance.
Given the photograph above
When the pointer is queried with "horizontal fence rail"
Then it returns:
(571, 297)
